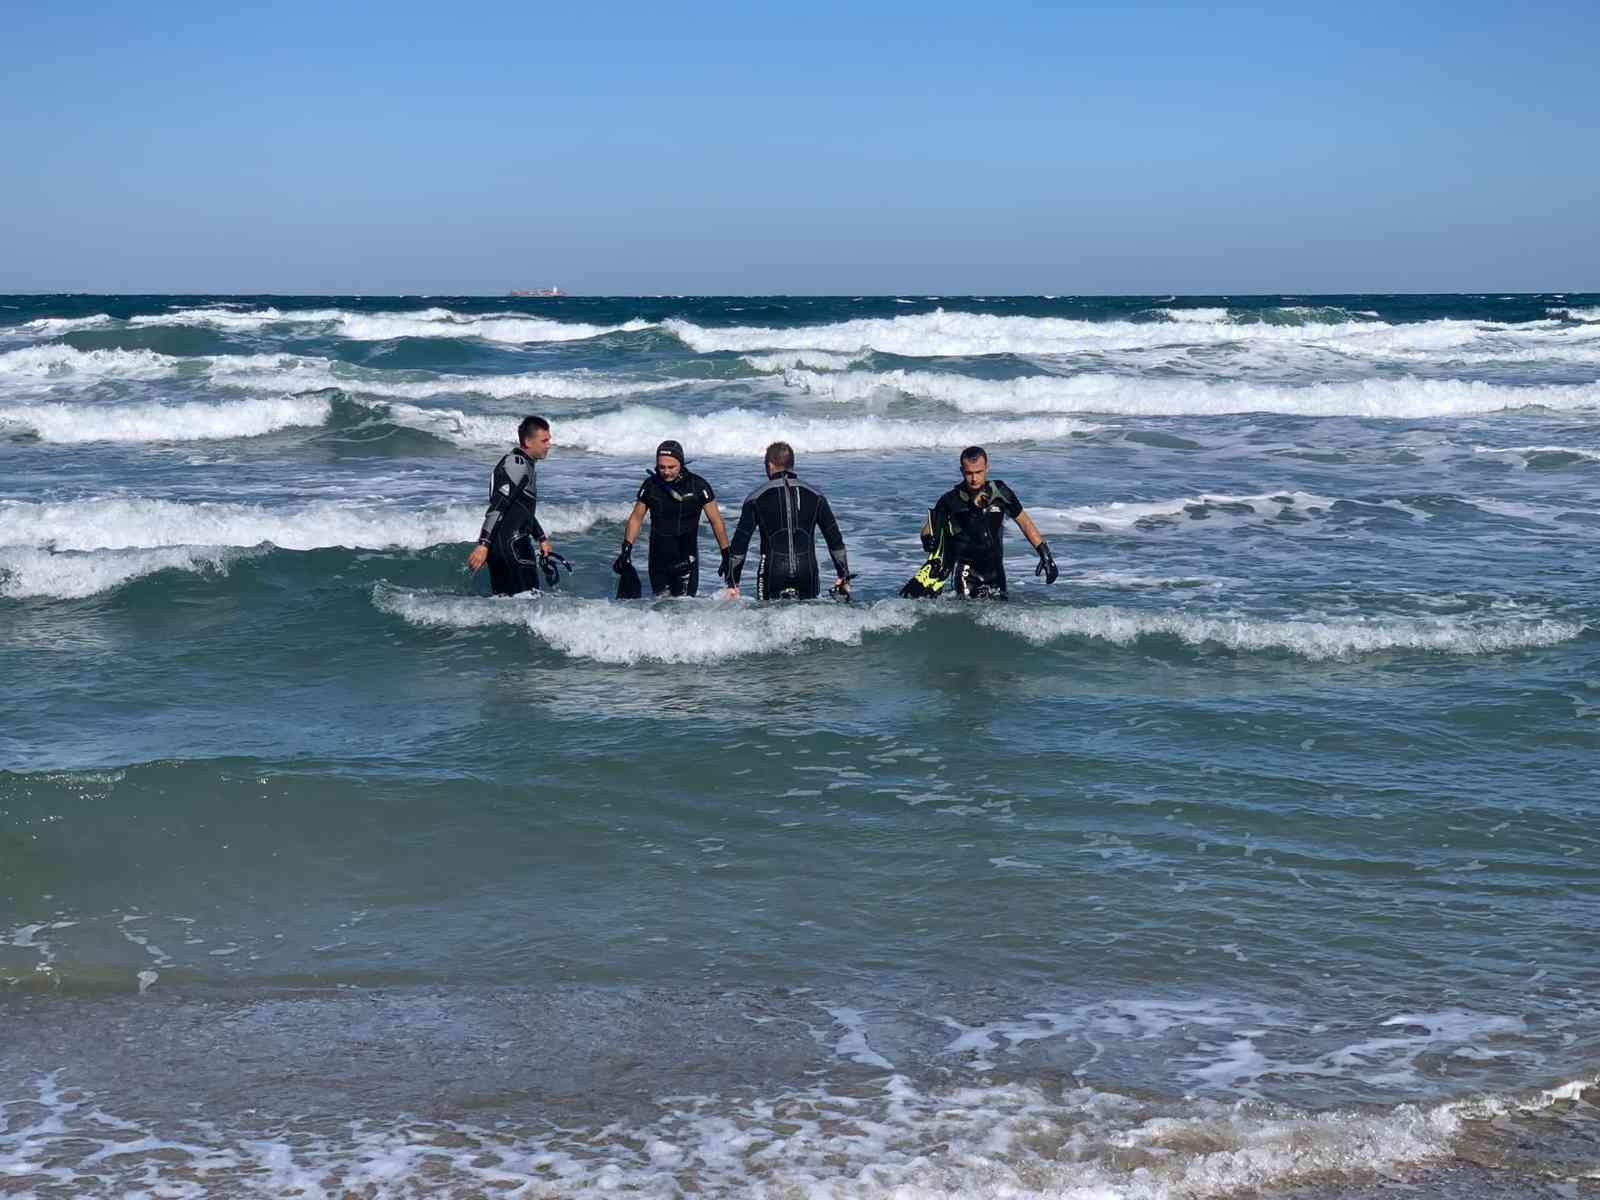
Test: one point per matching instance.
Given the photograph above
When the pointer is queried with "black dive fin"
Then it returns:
(628, 583)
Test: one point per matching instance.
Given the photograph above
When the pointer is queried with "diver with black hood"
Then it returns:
(674, 497)
(788, 513)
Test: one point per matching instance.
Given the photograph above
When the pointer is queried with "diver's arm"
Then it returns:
(1047, 561)
(500, 492)
(1029, 529)
(835, 540)
(718, 529)
(630, 531)
(739, 546)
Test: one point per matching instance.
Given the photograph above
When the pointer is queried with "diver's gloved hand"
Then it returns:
(1047, 563)
(623, 559)
(551, 565)
(722, 571)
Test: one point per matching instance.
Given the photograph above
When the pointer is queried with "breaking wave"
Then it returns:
(80, 423)
(680, 632)
(113, 523)
(942, 333)
(1315, 640)
(738, 431)
(712, 630)
(31, 573)
(514, 328)
(1123, 396)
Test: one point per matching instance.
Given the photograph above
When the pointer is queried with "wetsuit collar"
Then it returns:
(784, 475)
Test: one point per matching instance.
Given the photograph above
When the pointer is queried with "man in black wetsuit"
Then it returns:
(512, 539)
(965, 529)
(788, 513)
(674, 498)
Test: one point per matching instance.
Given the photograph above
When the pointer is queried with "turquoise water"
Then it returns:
(1258, 853)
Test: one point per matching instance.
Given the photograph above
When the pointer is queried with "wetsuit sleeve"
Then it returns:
(739, 545)
(501, 491)
(831, 535)
(1008, 501)
(644, 493)
(706, 494)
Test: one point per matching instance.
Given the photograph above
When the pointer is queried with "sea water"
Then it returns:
(1256, 855)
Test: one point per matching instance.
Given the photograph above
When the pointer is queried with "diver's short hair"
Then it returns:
(781, 455)
(974, 454)
(527, 426)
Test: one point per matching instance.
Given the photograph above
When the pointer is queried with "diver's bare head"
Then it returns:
(533, 435)
(780, 458)
(974, 468)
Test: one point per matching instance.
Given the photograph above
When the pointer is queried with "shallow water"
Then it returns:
(1256, 854)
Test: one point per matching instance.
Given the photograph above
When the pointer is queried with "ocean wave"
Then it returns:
(59, 362)
(715, 630)
(32, 573)
(1123, 396)
(880, 1137)
(1315, 640)
(302, 373)
(56, 326)
(944, 333)
(514, 328)
(737, 431)
(1576, 314)
(80, 423)
(709, 630)
(1553, 456)
(814, 360)
(1123, 515)
(113, 523)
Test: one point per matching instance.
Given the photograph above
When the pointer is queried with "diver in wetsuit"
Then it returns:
(788, 513)
(674, 498)
(964, 535)
(512, 540)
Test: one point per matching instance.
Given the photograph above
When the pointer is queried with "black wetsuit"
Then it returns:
(510, 529)
(675, 510)
(972, 525)
(787, 513)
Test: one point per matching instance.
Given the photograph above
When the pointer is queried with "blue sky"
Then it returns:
(930, 147)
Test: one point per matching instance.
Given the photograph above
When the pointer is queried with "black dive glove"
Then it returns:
(623, 559)
(722, 571)
(1047, 563)
(551, 565)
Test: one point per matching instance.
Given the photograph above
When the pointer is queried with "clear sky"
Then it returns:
(824, 147)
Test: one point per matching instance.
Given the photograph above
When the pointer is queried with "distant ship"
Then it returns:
(538, 292)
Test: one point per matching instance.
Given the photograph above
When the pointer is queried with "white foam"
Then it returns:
(68, 363)
(707, 630)
(1200, 316)
(814, 360)
(65, 365)
(112, 523)
(739, 431)
(942, 333)
(1316, 640)
(512, 328)
(1576, 314)
(29, 572)
(1123, 515)
(1527, 451)
(887, 1139)
(77, 423)
(1121, 395)
(56, 326)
